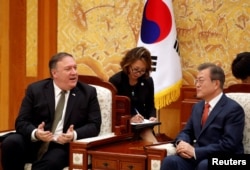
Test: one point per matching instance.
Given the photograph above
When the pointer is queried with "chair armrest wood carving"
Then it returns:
(121, 129)
(122, 123)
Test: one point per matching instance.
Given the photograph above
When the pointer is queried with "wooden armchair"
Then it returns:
(115, 111)
(238, 92)
(115, 122)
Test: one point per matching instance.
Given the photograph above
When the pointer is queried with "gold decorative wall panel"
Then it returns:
(31, 38)
(98, 32)
(211, 31)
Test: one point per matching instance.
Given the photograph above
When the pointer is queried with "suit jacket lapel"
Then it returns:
(50, 97)
(213, 114)
(71, 100)
(197, 124)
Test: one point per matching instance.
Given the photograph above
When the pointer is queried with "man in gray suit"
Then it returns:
(220, 133)
(80, 118)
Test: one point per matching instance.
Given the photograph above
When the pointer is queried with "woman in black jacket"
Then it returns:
(135, 82)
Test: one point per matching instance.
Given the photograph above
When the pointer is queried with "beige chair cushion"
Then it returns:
(104, 96)
(170, 148)
(244, 100)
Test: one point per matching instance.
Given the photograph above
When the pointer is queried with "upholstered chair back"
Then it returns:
(244, 100)
(104, 96)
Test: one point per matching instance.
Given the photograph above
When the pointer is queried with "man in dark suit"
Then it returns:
(81, 118)
(220, 133)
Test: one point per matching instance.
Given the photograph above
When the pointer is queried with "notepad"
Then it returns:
(144, 122)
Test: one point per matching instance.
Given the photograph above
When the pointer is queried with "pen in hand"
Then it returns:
(139, 118)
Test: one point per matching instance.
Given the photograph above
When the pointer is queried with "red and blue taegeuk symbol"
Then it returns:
(156, 22)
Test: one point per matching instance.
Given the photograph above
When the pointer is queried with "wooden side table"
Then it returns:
(125, 155)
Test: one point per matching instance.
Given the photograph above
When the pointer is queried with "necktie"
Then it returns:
(57, 118)
(205, 114)
(58, 111)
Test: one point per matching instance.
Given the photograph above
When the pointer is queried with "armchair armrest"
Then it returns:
(157, 152)
(3, 134)
(115, 111)
(79, 157)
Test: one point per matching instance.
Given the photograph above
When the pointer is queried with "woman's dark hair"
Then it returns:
(138, 53)
(241, 65)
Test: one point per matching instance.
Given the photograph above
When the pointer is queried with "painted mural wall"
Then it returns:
(211, 31)
(99, 32)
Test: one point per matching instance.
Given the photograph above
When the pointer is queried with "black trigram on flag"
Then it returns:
(176, 46)
(154, 58)
(154, 62)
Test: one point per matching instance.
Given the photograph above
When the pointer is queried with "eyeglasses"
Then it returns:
(199, 81)
(136, 70)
